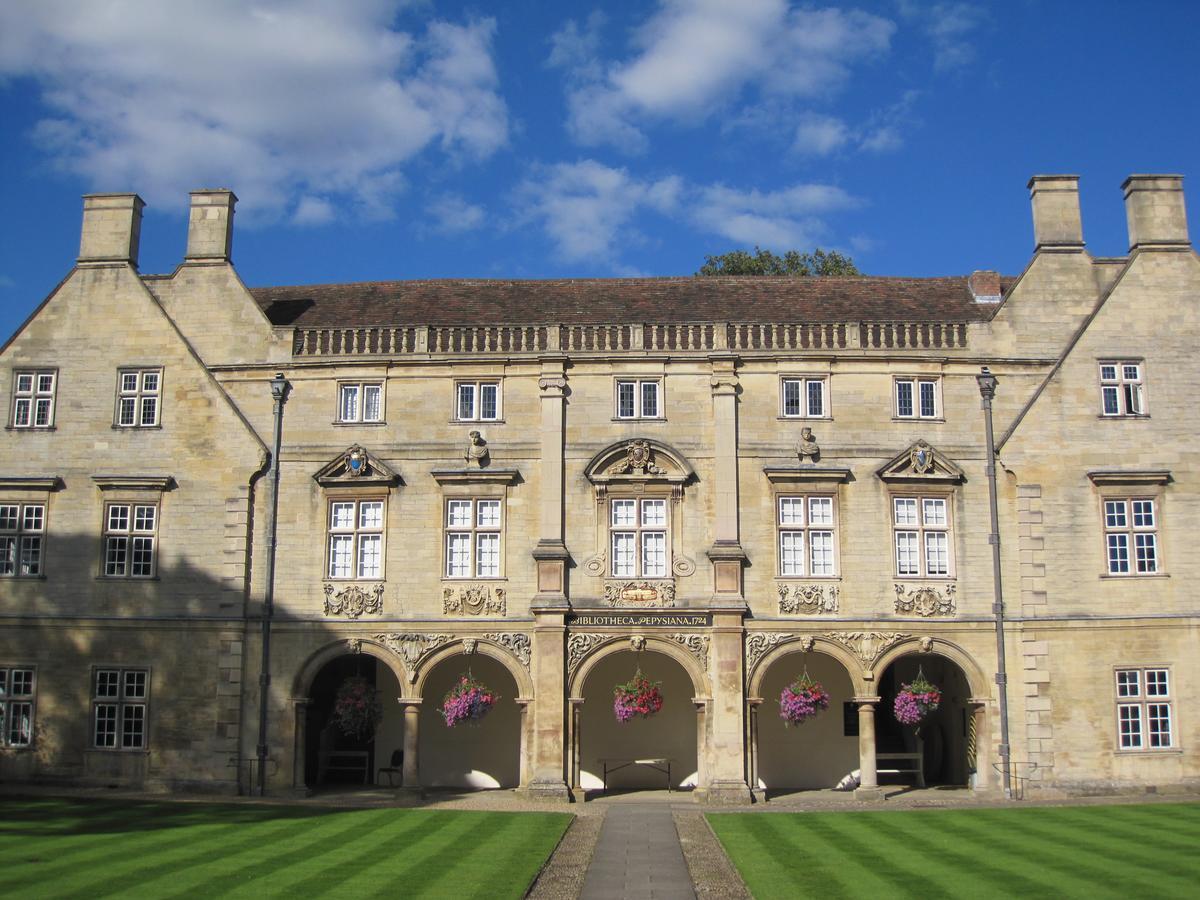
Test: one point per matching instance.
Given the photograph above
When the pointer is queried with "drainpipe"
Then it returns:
(987, 390)
(279, 391)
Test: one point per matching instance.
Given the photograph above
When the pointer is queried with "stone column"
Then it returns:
(868, 785)
(726, 552)
(551, 550)
(412, 724)
(753, 704)
(576, 715)
(725, 739)
(523, 770)
(300, 744)
(549, 754)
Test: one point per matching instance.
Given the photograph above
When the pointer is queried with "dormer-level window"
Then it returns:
(33, 398)
(477, 401)
(639, 398)
(1121, 388)
(138, 393)
(918, 398)
(360, 402)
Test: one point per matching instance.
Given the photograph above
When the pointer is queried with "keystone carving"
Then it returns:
(808, 598)
(411, 646)
(806, 643)
(868, 646)
(579, 646)
(352, 601)
(515, 643)
(639, 593)
(927, 602)
(637, 643)
(354, 645)
(469, 646)
(758, 643)
(474, 600)
(697, 644)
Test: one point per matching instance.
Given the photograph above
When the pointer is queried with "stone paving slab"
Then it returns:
(638, 856)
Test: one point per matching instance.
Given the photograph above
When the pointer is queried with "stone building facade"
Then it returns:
(723, 483)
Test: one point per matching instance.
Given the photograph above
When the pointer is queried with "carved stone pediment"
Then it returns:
(657, 592)
(640, 459)
(355, 467)
(921, 463)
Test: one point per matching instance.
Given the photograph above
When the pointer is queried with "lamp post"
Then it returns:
(987, 390)
(279, 393)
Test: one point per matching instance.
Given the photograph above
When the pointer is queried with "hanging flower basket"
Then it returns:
(639, 696)
(916, 700)
(468, 701)
(357, 708)
(802, 700)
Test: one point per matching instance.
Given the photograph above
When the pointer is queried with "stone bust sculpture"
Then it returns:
(807, 448)
(476, 453)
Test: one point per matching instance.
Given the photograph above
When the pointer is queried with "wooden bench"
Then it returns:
(344, 761)
(657, 763)
(918, 768)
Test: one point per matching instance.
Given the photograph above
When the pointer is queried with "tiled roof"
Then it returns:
(620, 300)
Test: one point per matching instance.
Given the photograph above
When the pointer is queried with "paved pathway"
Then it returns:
(638, 856)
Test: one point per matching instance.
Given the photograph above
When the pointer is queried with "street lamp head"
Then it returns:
(279, 386)
(987, 383)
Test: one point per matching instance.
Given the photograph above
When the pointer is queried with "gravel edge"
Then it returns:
(563, 875)
(713, 875)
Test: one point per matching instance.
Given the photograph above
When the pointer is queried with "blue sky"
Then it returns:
(378, 139)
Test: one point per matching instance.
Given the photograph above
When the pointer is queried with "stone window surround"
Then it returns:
(808, 481)
(804, 378)
(916, 381)
(139, 394)
(474, 484)
(132, 490)
(921, 494)
(1120, 383)
(1142, 700)
(356, 497)
(1128, 484)
(638, 380)
(807, 528)
(23, 534)
(478, 382)
(33, 395)
(122, 703)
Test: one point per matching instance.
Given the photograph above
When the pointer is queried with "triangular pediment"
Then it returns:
(921, 462)
(355, 466)
(638, 459)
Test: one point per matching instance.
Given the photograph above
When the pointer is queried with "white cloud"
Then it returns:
(884, 129)
(948, 26)
(820, 135)
(452, 214)
(693, 58)
(316, 99)
(590, 210)
(313, 211)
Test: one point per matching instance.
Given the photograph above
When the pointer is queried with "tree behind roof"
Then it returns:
(764, 262)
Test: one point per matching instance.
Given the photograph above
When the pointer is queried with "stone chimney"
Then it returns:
(210, 226)
(112, 228)
(1154, 208)
(985, 286)
(1056, 222)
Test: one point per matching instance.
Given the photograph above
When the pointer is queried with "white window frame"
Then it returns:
(636, 409)
(473, 546)
(1122, 388)
(639, 545)
(800, 535)
(137, 528)
(1131, 544)
(34, 398)
(121, 703)
(804, 400)
(1144, 715)
(359, 390)
(470, 404)
(22, 539)
(917, 385)
(367, 529)
(916, 536)
(18, 706)
(142, 393)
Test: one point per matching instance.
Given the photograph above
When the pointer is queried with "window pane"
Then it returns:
(654, 513)
(487, 555)
(25, 382)
(1130, 372)
(488, 513)
(1143, 513)
(108, 683)
(623, 554)
(116, 551)
(937, 553)
(22, 683)
(33, 516)
(791, 396)
(341, 516)
(1108, 372)
(1118, 553)
(143, 518)
(8, 517)
(128, 410)
(791, 510)
(625, 398)
(1130, 716)
(8, 555)
(21, 412)
(816, 398)
(654, 554)
(934, 511)
(45, 384)
(129, 382)
(135, 685)
(907, 553)
(341, 555)
(372, 411)
(458, 514)
(1114, 514)
(31, 555)
(466, 401)
(150, 382)
(1133, 399)
(458, 555)
(106, 725)
(489, 406)
(349, 405)
(1110, 396)
(141, 564)
(820, 510)
(791, 553)
(133, 728)
(20, 725)
(370, 514)
(904, 398)
(1158, 718)
(370, 555)
(1128, 683)
(650, 399)
(42, 412)
(906, 510)
(821, 547)
(1156, 683)
(624, 513)
(1147, 552)
(928, 399)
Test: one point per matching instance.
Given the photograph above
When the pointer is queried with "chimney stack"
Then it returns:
(112, 228)
(210, 226)
(1056, 222)
(1154, 208)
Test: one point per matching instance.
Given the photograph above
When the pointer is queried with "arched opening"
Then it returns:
(332, 757)
(943, 738)
(822, 751)
(669, 734)
(482, 754)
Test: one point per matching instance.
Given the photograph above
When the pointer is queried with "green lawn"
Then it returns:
(104, 848)
(1081, 851)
